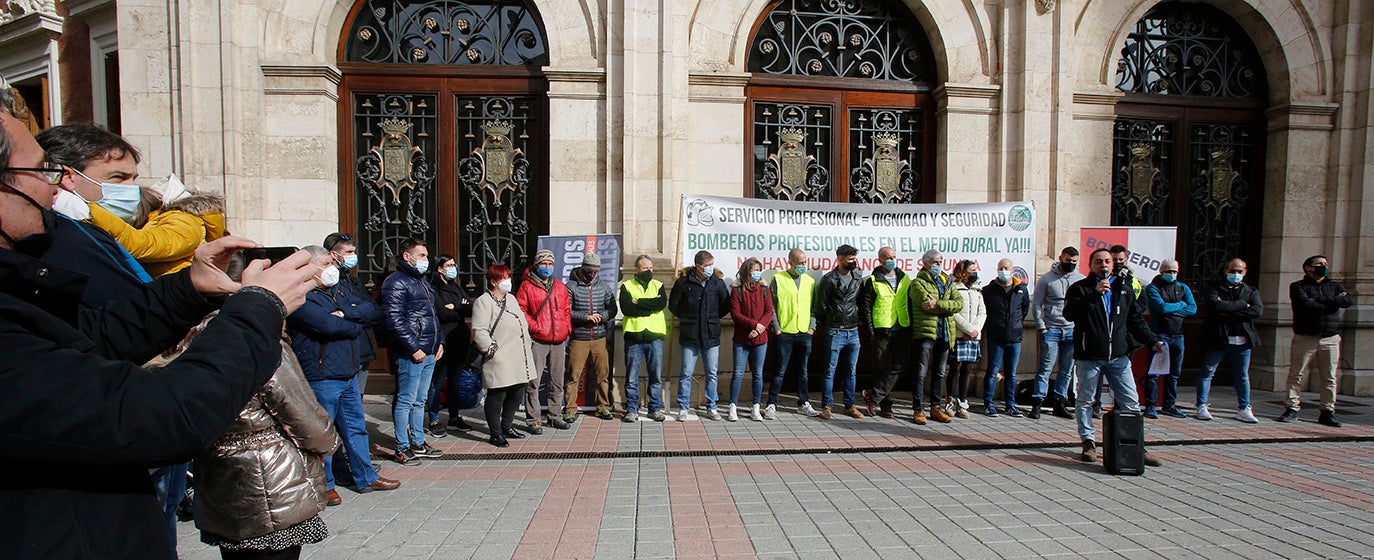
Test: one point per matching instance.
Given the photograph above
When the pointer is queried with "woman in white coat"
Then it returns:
(500, 332)
(967, 349)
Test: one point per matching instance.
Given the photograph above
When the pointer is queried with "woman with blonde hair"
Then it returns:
(968, 325)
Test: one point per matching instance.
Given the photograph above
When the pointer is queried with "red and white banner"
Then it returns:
(1146, 247)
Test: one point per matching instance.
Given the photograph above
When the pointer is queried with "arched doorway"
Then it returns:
(443, 131)
(1189, 142)
(839, 105)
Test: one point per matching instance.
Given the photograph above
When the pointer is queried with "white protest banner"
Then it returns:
(1146, 247)
(735, 229)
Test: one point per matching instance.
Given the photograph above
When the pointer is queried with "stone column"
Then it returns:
(577, 151)
(968, 157)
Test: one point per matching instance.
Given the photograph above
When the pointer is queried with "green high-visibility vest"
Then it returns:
(657, 322)
(794, 302)
(885, 312)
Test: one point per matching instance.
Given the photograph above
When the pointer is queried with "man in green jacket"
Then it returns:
(934, 301)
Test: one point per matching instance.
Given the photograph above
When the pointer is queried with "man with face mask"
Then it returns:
(934, 301)
(416, 342)
(102, 169)
(324, 334)
(643, 302)
(1170, 301)
(1056, 333)
(794, 292)
(1317, 304)
(884, 316)
(344, 250)
(593, 307)
(548, 308)
(699, 299)
(1232, 307)
(837, 308)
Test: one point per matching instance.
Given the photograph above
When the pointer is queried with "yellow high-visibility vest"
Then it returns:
(794, 302)
(657, 322)
(885, 313)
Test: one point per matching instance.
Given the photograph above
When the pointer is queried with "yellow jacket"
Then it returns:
(167, 243)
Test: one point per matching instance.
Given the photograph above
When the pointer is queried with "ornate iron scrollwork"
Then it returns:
(884, 175)
(495, 182)
(841, 38)
(447, 32)
(798, 168)
(1141, 188)
(1220, 195)
(1190, 49)
(395, 182)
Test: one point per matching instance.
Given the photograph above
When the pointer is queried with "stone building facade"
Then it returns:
(314, 116)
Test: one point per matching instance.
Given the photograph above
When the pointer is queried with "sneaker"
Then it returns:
(459, 424)
(658, 416)
(682, 415)
(770, 412)
(1246, 415)
(869, 403)
(557, 423)
(1175, 412)
(754, 414)
(825, 413)
(919, 417)
(950, 407)
(963, 404)
(436, 430)
(990, 409)
(937, 413)
(712, 414)
(1328, 418)
(808, 410)
(1288, 415)
(427, 452)
(630, 417)
(961, 413)
(405, 457)
(1089, 453)
(535, 429)
(853, 412)
(1012, 411)
(569, 417)
(733, 416)
(1151, 414)
(605, 415)
(1203, 413)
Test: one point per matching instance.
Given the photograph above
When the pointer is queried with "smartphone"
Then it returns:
(274, 254)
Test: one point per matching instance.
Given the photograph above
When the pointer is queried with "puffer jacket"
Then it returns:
(1047, 305)
(591, 295)
(837, 300)
(1169, 303)
(168, 241)
(1317, 306)
(699, 306)
(327, 346)
(925, 325)
(457, 337)
(1007, 310)
(266, 472)
(553, 322)
(351, 284)
(973, 315)
(408, 305)
(749, 308)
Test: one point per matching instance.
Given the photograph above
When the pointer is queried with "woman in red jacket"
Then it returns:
(751, 307)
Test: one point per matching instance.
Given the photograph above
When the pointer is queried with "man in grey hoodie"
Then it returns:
(1056, 332)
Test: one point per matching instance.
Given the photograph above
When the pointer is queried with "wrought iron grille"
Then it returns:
(393, 147)
(1190, 49)
(792, 151)
(885, 155)
(842, 38)
(497, 136)
(1141, 184)
(1220, 197)
(447, 32)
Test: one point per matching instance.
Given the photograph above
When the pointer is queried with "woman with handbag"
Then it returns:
(501, 333)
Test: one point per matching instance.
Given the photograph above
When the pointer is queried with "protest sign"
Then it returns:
(1146, 247)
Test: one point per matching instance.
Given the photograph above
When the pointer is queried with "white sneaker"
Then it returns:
(949, 406)
(632, 417)
(770, 413)
(1204, 414)
(754, 414)
(806, 409)
(734, 414)
(681, 415)
(963, 405)
(1246, 415)
(712, 414)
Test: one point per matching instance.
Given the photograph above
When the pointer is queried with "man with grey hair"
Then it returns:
(934, 301)
(1170, 302)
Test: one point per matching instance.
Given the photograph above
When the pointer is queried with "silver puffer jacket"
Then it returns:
(266, 472)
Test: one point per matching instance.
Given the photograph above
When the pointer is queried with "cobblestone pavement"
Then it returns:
(801, 487)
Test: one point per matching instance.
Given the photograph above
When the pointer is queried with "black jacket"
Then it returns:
(1096, 338)
(1007, 311)
(837, 300)
(457, 335)
(82, 423)
(88, 250)
(325, 344)
(408, 306)
(354, 286)
(1231, 311)
(699, 306)
(1317, 306)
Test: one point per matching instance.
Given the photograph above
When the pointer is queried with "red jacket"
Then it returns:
(749, 308)
(554, 321)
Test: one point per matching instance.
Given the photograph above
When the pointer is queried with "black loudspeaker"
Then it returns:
(1123, 445)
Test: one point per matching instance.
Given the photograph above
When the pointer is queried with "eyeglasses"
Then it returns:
(51, 175)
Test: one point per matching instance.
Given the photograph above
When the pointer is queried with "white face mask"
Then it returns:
(71, 205)
(504, 285)
(329, 276)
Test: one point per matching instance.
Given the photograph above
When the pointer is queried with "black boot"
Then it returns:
(1328, 418)
(1034, 413)
(1059, 409)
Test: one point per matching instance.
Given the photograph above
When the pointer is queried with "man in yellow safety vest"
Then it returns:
(793, 325)
(885, 317)
(643, 301)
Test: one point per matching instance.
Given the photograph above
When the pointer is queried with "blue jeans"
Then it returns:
(169, 484)
(637, 353)
(445, 380)
(1239, 358)
(1119, 378)
(1055, 344)
(841, 341)
(1002, 357)
(751, 355)
(788, 343)
(1175, 342)
(408, 410)
(343, 403)
(711, 363)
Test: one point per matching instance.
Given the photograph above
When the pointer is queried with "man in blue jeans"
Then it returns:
(324, 335)
(699, 299)
(794, 292)
(1007, 301)
(1106, 319)
(1056, 333)
(837, 307)
(416, 341)
(1232, 308)
(1170, 302)
(643, 302)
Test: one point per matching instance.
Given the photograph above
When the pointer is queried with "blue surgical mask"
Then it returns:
(935, 270)
(543, 271)
(708, 270)
(450, 273)
(422, 266)
(1235, 277)
(349, 261)
(890, 264)
(121, 200)
(1004, 276)
(801, 269)
(1169, 277)
(756, 275)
